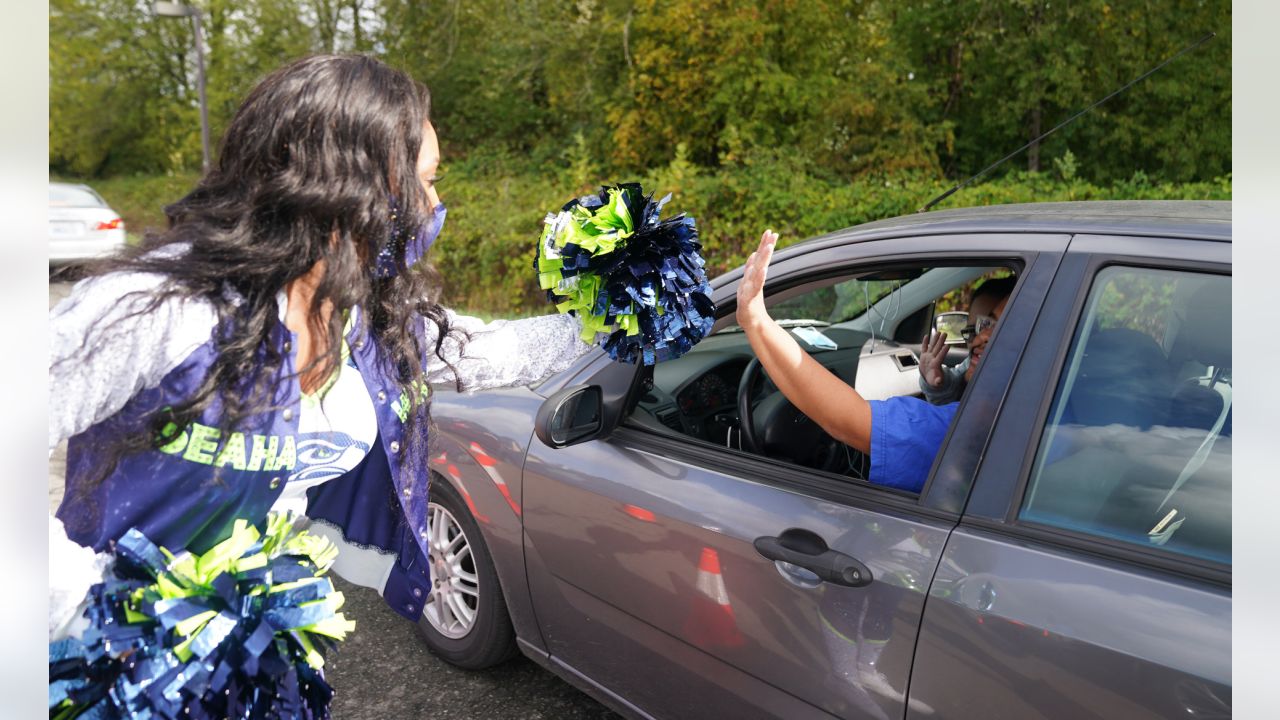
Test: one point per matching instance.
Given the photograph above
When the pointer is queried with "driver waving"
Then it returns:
(901, 434)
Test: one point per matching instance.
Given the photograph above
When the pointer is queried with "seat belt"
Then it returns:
(1202, 453)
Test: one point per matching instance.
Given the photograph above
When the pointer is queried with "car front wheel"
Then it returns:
(464, 620)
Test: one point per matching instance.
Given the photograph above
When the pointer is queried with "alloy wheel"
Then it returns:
(455, 587)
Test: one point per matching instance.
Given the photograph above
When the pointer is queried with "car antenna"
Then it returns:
(1131, 83)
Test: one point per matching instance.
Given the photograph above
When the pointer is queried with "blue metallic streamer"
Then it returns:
(247, 661)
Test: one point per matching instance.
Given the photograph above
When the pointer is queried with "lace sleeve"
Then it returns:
(505, 352)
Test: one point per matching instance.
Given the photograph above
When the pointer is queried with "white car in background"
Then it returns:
(81, 224)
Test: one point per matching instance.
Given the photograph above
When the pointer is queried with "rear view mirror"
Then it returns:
(570, 416)
(951, 324)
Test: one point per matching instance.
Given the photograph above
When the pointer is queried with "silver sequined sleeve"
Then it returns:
(102, 352)
(505, 352)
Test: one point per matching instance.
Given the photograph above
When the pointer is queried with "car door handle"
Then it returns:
(806, 549)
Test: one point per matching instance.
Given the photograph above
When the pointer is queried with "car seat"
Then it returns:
(1123, 378)
(1182, 499)
(1204, 340)
(1122, 383)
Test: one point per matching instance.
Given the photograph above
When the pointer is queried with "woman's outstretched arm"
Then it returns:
(503, 353)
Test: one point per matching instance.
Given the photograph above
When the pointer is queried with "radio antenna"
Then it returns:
(1060, 125)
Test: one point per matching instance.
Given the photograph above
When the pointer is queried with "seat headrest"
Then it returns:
(1122, 378)
(1205, 333)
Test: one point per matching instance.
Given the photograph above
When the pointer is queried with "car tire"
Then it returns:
(487, 637)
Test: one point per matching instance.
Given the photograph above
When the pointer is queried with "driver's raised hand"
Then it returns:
(932, 351)
(817, 392)
(751, 308)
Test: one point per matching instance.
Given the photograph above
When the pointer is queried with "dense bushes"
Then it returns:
(494, 219)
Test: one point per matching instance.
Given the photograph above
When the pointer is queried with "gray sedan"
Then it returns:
(679, 541)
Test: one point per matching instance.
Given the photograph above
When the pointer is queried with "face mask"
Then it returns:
(416, 248)
(428, 234)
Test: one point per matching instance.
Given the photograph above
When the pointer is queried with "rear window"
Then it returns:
(1139, 444)
(69, 196)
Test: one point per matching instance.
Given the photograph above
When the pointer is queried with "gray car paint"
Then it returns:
(630, 582)
(478, 443)
(817, 651)
(1020, 624)
(1013, 631)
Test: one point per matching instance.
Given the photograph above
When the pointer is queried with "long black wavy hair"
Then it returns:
(318, 164)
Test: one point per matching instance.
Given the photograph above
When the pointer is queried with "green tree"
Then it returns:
(842, 89)
(730, 80)
(1003, 71)
(123, 94)
(483, 61)
(120, 97)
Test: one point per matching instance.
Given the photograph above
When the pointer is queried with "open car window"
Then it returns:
(866, 328)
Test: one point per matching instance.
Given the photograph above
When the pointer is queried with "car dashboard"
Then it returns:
(697, 394)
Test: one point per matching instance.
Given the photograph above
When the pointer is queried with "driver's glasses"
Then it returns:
(980, 324)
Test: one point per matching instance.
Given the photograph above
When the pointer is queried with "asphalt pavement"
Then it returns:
(383, 670)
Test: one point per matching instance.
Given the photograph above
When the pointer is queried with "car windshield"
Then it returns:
(70, 196)
(836, 303)
(852, 298)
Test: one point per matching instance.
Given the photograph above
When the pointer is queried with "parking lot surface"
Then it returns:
(383, 671)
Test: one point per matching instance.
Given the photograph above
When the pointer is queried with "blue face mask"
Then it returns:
(428, 234)
(417, 248)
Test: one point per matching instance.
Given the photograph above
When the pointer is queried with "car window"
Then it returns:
(835, 303)
(865, 328)
(71, 196)
(1138, 443)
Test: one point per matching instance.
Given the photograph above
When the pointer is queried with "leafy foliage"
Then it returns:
(497, 203)
(1137, 300)
(805, 116)
(1003, 72)
(847, 88)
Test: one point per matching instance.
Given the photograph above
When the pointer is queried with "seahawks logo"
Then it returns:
(325, 456)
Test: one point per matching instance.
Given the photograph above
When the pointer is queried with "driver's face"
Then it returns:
(983, 306)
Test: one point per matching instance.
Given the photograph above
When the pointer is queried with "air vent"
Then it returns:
(906, 361)
(671, 419)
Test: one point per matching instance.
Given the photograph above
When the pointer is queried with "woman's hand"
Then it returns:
(751, 310)
(932, 351)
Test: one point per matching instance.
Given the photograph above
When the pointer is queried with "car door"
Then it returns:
(640, 547)
(1091, 573)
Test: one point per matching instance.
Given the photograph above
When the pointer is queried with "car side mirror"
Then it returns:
(951, 324)
(570, 416)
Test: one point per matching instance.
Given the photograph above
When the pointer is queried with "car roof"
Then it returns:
(1199, 219)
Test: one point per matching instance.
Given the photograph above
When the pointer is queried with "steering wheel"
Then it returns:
(785, 427)
(746, 421)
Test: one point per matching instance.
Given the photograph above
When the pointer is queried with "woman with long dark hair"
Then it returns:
(274, 346)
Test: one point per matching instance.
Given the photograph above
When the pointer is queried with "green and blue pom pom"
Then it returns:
(638, 282)
(238, 631)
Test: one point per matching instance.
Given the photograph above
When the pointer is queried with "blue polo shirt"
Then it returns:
(906, 433)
